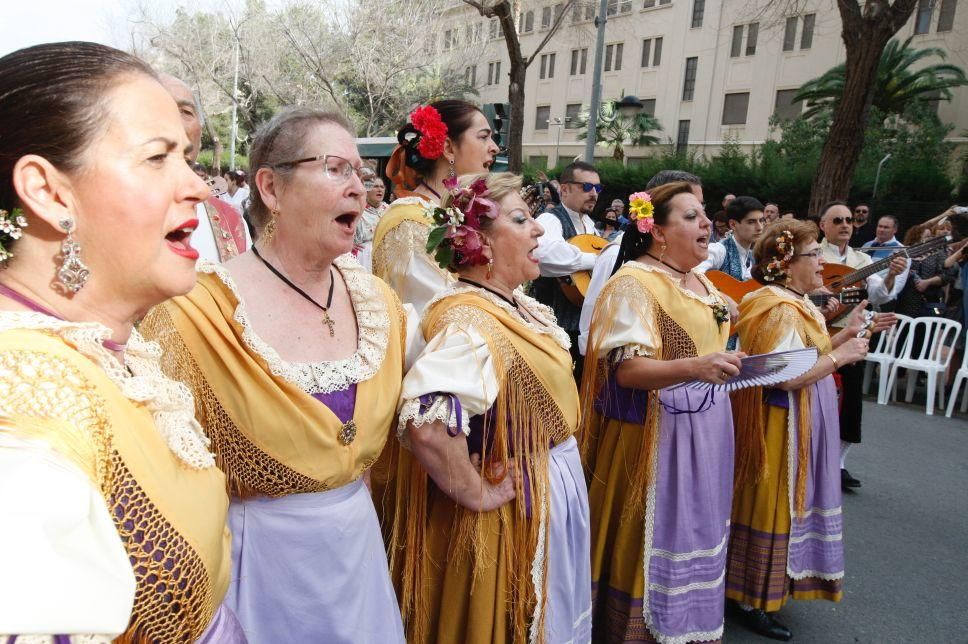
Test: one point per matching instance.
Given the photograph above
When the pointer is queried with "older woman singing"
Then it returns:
(295, 355)
(495, 543)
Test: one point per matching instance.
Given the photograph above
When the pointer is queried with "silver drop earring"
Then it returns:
(72, 274)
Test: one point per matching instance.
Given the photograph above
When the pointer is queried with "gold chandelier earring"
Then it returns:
(72, 273)
(662, 252)
(270, 228)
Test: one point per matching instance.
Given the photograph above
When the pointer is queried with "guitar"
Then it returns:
(575, 286)
(837, 277)
(736, 289)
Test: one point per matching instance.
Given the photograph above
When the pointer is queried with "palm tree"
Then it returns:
(616, 130)
(897, 85)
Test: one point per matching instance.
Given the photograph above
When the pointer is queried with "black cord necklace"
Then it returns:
(792, 290)
(490, 290)
(667, 265)
(436, 194)
(328, 321)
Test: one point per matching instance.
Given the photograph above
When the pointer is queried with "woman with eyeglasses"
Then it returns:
(786, 531)
(295, 356)
(440, 141)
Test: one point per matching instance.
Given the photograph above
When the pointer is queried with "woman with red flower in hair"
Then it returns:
(495, 545)
(442, 140)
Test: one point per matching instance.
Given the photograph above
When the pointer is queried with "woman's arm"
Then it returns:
(446, 460)
(648, 373)
(849, 352)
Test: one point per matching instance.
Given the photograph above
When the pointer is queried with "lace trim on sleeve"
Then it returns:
(432, 408)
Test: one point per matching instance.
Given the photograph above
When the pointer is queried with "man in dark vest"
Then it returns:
(580, 187)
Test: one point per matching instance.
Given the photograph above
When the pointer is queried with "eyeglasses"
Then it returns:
(836, 221)
(586, 186)
(337, 168)
(814, 254)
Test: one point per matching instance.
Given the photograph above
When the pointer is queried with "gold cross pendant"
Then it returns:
(328, 321)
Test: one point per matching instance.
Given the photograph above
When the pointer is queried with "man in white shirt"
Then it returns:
(580, 187)
(734, 254)
(605, 262)
(884, 237)
(238, 193)
(771, 212)
(837, 224)
(221, 232)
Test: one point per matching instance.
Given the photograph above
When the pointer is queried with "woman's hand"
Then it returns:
(717, 368)
(883, 322)
(857, 318)
(493, 496)
(851, 351)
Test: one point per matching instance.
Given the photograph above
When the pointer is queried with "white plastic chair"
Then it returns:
(930, 358)
(960, 377)
(883, 356)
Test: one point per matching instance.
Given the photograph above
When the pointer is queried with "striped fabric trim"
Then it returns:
(681, 590)
(695, 554)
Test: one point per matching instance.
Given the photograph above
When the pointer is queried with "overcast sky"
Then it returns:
(30, 22)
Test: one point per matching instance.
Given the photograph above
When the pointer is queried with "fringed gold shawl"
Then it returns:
(269, 435)
(680, 324)
(536, 408)
(765, 317)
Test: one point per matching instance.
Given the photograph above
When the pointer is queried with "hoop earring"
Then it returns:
(72, 274)
(270, 228)
(452, 172)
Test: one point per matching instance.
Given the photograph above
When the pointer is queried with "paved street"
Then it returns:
(906, 533)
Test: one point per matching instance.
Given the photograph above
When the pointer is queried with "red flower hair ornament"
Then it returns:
(455, 240)
(432, 129)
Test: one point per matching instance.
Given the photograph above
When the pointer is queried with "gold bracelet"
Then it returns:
(833, 360)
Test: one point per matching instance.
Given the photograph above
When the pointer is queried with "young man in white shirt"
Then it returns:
(734, 254)
(580, 187)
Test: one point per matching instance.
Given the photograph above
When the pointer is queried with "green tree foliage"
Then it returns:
(900, 82)
(616, 131)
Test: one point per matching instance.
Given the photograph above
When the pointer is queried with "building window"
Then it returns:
(618, 6)
(653, 47)
(572, 112)
(470, 75)
(790, 34)
(657, 52)
(448, 40)
(546, 17)
(579, 58)
(735, 107)
(737, 45)
(752, 31)
(526, 22)
(493, 28)
(689, 83)
(541, 117)
(648, 4)
(946, 16)
(430, 45)
(590, 11)
(785, 108)
(698, 9)
(922, 22)
(613, 57)
(682, 138)
(539, 161)
(479, 32)
(547, 66)
(494, 73)
(646, 51)
(558, 8)
(648, 106)
(806, 37)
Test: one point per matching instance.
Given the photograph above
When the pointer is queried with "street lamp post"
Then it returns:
(558, 123)
(600, 21)
(235, 106)
(877, 177)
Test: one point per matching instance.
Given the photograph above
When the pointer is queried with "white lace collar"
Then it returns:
(140, 380)
(372, 318)
(540, 311)
(710, 299)
(788, 295)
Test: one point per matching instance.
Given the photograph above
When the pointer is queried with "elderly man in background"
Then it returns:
(837, 225)
(884, 237)
(771, 212)
(222, 233)
(374, 209)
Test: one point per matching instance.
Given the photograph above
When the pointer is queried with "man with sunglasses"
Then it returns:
(864, 228)
(837, 225)
(580, 187)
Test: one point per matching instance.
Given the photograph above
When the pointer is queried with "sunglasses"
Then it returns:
(587, 187)
(836, 221)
